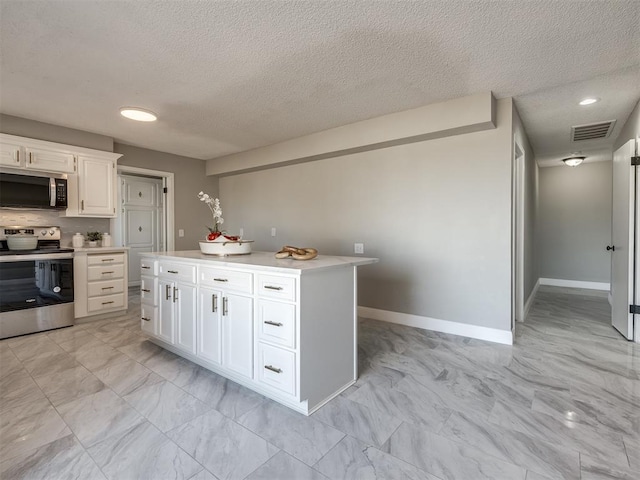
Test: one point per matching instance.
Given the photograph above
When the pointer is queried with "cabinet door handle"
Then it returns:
(107, 260)
(30, 157)
(172, 271)
(146, 319)
(271, 287)
(220, 280)
(225, 306)
(18, 155)
(111, 288)
(143, 289)
(167, 292)
(145, 267)
(175, 294)
(82, 205)
(107, 303)
(275, 324)
(214, 303)
(273, 369)
(106, 273)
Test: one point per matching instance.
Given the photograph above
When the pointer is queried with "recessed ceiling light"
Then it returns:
(138, 114)
(574, 160)
(589, 101)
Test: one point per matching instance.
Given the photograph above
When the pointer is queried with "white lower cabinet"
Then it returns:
(267, 329)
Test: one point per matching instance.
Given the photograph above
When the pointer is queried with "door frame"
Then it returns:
(517, 233)
(168, 204)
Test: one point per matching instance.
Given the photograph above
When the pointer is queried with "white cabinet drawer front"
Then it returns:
(227, 279)
(277, 368)
(148, 267)
(105, 272)
(277, 323)
(148, 290)
(49, 160)
(106, 302)
(106, 259)
(107, 287)
(274, 286)
(177, 271)
(148, 319)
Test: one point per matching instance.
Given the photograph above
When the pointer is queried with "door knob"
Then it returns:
(140, 229)
(611, 248)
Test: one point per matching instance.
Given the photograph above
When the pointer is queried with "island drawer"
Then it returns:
(227, 279)
(148, 267)
(277, 368)
(177, 271)
(277, 323)
(276, 286)
(149, 290)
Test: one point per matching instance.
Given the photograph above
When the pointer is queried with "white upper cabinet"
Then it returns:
(96, 186)
(38, 155)
(49, 160)
(11, 154)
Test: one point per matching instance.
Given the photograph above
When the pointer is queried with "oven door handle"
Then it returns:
(35, 256)
(52, 192)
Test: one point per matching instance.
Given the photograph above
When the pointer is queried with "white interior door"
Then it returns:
(623, 239)
(142, 219)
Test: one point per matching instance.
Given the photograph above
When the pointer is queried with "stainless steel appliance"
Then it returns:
(33, 191)
(36, 286)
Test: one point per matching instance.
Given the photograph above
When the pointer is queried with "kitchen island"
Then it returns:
(281, 327)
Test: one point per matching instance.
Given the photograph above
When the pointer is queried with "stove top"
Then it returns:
(48, 240)
(38, 251)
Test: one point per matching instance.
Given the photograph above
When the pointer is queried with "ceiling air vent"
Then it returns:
(593, 131)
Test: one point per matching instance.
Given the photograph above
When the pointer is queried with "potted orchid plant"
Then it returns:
(216, 212)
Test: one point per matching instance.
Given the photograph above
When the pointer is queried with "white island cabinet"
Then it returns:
(284, 328)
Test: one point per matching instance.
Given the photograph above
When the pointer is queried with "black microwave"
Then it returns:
(28, 191)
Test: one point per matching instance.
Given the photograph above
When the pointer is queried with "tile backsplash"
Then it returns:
(68, 225)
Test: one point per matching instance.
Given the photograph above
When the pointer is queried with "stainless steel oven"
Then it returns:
(36, 286)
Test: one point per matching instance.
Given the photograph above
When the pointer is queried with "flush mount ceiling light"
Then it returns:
(138, 114)
(574, 160)
(589, 101)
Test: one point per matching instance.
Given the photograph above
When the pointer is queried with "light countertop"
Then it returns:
(100, 249)
(263, 261)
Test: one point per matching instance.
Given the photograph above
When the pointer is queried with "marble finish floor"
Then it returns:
(98, 401)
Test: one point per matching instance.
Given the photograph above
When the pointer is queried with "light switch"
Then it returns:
(181, 232)
(358, 248)
(273, 231)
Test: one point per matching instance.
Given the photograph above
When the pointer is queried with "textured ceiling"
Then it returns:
(227, 76)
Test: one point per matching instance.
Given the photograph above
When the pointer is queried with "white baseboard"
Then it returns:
(558, 282)
(445, 326)
(532, 296)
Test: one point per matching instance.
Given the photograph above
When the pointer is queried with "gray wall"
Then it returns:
(436, 213)
(575, 222)
(530, 193)
(631, 128)
(189, 177)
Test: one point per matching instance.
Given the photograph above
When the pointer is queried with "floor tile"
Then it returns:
(95, 417)
(284, 467)
(9, 363)
(100, 356)
(143, 452)
(226, 449)
(63, 335)
(369, 425)
(49, 364)
(165, 405)
(17, 389)
(353, 460)
(303, 437)
(127, 376)
(69, 384)
(62, 458)
(594, 469)
(447, 459)
(80, 342)
(42, 346)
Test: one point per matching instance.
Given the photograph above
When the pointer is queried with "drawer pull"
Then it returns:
(220, 280)
(108, 259)
(146, 319)
(107, 288)
(172, 271)
(275, 324)
(273, 369)
(107, 273)
(144, 290)
(145, 267)
(107, 303)
(271, 287)
(214, 303)
(225, 306)
(167, 292)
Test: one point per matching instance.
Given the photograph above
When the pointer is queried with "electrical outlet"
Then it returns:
(181, 232)
(358, 248)
(273, 231)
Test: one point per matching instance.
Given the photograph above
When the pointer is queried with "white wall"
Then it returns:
(575, 222)
(437, 214)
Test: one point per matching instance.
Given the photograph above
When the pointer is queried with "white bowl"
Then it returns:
(22, 242)
(224, 248)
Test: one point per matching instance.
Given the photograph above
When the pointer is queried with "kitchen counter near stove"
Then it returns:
(100, 281)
